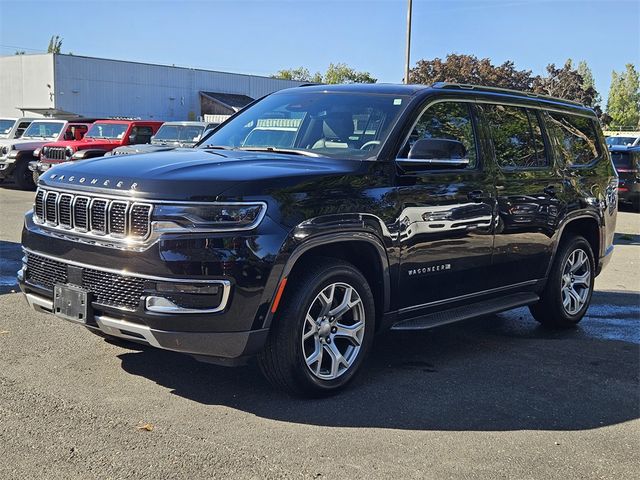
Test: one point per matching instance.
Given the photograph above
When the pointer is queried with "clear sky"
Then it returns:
(264, 36)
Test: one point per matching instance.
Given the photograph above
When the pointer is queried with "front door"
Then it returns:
(447, 214)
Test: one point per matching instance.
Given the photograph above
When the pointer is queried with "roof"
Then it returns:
(401, 89)
(233, 101)
(187, 124)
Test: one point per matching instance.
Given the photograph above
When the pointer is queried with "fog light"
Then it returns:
(178, 297)
(187, 288)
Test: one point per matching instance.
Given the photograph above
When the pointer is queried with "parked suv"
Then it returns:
(12, 128)
(627, 163)
(401, 207)
(170, 135)
(102, 137)
(18, 158)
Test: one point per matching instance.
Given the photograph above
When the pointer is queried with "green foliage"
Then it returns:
(587, 80)
(623, 104)
(336, 73)
(20, 52)
(565, 82)
(55, 44)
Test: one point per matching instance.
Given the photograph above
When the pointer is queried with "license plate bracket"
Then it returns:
(72, 303)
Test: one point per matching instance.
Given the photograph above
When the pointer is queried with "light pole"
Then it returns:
(408, 52)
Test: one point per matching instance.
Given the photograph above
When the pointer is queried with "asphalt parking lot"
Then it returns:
(495, 397)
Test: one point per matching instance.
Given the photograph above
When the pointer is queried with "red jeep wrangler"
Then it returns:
(102, 137)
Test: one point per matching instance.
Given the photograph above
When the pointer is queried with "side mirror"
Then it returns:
(436, 153)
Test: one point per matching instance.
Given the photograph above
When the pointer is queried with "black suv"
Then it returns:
(362, 208)
(627, 163)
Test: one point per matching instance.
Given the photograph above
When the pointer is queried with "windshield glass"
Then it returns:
(623, 141)
(107, 130)
(43, 130)
(624, 161)
(327, 124)
(5, 127)
(178, 133)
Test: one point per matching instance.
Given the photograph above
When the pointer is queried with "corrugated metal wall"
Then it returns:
(23, 83)
(96, 87)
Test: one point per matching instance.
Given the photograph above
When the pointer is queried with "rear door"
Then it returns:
(446, 215)
(530, 194)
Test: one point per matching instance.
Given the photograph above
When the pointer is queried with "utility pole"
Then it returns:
(408, 52)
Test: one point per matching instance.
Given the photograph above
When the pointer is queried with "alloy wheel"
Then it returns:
(333, 331)
(576, 281)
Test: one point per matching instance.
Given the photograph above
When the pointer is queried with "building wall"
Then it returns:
(96, 87)
(23, 83)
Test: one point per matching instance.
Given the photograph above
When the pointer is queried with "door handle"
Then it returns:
(477, 196)
(550, 190)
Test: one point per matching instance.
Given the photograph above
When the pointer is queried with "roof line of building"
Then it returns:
(152, 64)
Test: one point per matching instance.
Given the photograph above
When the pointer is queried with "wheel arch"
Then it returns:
(362, 249)
(585, 225)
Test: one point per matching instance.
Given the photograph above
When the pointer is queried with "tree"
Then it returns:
(623, 104)
(341, 73)
(458, 68)
(336, 73)
(565, 83)
(55, 44)
(20, 52)
(588, 80)
(300, 74)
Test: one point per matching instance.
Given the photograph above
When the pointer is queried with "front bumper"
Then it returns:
(203, 345)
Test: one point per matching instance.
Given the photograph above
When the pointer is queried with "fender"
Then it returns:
(88, 153)
(321, 240)
(582, 214)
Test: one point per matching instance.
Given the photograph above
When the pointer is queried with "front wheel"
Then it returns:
(23, 176)
(567, 294)
(323, 332)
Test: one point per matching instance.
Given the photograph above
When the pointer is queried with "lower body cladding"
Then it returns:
(178, 314)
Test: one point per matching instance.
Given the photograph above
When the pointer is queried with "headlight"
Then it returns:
(5, 149)
(36, 152)
(44, 151)
(68, 152)
(208, 217)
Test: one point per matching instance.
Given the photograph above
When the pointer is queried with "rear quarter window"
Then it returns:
(575, 138)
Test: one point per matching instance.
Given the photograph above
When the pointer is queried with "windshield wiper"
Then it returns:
(291, 151)
(217, 147)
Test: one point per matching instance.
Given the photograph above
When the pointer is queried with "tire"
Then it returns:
(36, 177)
(567, 294)
(308, 367)
(23, 176)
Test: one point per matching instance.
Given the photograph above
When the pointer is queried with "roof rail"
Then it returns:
(481, 88)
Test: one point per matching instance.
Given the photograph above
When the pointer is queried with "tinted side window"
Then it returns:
(575, 137)
(516, 135)
(447, 121)
(21, 129)
(142, 134)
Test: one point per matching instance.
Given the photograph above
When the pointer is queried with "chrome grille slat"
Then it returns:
(64, 210)
(93, 215)
(56, 153)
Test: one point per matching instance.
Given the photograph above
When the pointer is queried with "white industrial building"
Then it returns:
(71, 85)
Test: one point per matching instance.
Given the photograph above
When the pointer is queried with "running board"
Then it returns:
(465, 312)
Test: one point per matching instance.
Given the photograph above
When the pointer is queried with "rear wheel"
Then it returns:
(567, 294)
(23, 176)
(36, 176)
(323, 331)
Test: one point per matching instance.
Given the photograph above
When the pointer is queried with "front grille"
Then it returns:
(56, 153)
(44, 272)
(100, 216)
(108, 288)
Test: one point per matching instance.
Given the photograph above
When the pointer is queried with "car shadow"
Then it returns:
(500, 372)
(10, 263)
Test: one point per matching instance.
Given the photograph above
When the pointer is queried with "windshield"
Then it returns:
(5, 127)
(107, 130)
(315, 123)
(178, 133)
(43, 130)
(622, 141)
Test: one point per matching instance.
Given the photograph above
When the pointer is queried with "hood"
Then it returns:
(29, 143)
(195, 174)
(85, 143)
